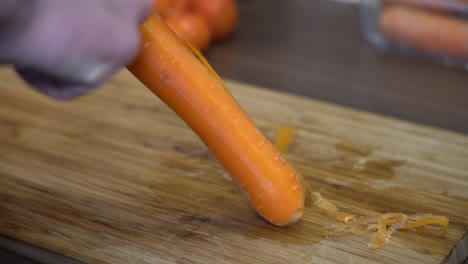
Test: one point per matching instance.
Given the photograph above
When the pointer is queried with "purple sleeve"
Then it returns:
(65, 48)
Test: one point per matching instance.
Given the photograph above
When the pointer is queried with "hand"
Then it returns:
(65, 48)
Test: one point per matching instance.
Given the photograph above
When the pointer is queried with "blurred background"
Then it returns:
(317, 49)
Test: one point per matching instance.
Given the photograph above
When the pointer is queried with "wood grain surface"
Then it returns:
(116, 177)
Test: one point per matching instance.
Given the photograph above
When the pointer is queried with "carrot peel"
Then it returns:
(383, 226)
(330, 209)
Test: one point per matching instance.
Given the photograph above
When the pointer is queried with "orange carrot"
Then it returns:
(171, 70)
(449, 6)
(429, 32)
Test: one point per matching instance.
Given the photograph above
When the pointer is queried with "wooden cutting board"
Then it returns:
(116, 177)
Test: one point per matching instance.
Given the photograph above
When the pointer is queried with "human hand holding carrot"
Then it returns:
(65, 48)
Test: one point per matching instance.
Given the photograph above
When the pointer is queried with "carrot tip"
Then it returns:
(295, 217)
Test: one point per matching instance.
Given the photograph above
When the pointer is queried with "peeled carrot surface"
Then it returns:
(171, 71)
(430, 32)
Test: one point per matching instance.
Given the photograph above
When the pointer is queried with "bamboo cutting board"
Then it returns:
(116, 177)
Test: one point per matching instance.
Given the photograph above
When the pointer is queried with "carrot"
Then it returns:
(171, 71)
(430, 32)
(449, 6)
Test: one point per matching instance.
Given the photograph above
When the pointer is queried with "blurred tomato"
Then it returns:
(221, 16)
(192, 28)
(178, 7)
(161, 6)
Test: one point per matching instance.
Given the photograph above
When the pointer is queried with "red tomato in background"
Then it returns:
(178, 7)
(221, 15)
(191, 28)
(161, 6)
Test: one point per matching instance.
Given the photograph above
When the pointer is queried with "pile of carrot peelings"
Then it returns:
(382, 226)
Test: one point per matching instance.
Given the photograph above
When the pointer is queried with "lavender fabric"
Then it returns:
(65, 48)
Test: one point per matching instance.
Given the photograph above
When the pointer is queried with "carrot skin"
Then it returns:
(430, 32)
(170, 70)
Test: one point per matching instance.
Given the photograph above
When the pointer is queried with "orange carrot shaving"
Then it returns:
(330, 209)
(383, 226)
(284, 139)
(344, 217)
(205, 63)
(430, 224)
(170, 70)
(428, 219)
(324, 205)
(386, 226)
